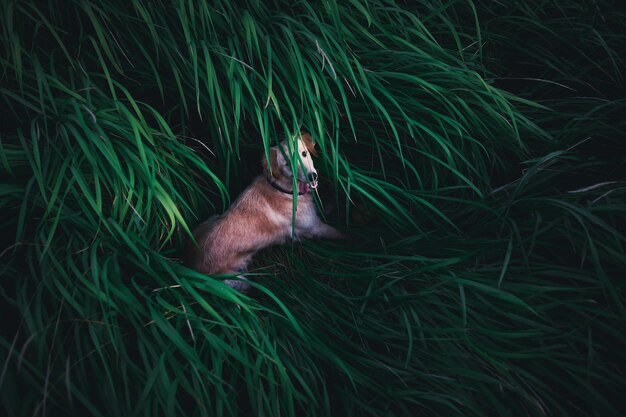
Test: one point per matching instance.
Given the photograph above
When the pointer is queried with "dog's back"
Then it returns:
(225, 244)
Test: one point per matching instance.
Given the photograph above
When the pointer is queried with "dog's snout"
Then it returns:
(312, 176)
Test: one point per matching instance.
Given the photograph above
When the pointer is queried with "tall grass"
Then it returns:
(475, 148)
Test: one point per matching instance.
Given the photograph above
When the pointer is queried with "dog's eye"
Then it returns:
(304, 154)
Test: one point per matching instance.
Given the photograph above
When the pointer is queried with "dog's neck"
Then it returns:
(280, 188)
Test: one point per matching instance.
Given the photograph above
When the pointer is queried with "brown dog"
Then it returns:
(262, 216)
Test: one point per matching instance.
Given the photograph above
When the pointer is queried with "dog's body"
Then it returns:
(262, 216)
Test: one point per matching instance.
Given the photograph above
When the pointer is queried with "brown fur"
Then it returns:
(260, 217)
(308, 142)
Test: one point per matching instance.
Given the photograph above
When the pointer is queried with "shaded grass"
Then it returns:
(475, 149)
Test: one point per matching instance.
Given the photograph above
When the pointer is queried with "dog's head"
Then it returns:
(280, 166)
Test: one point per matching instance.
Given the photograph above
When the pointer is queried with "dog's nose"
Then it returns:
(312, 176)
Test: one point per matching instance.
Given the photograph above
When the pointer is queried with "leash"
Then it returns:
(281, 189)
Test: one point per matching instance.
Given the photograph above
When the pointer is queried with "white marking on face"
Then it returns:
(307, 162)
(306, 169)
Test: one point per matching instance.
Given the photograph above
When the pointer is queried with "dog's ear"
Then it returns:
(273, 169)
(308, 142)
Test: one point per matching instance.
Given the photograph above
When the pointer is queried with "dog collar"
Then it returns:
(281, 189)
